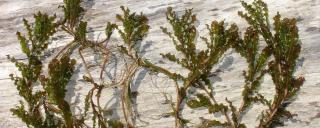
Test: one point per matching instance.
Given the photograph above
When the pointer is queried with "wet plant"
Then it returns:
(44, 93)
(200, 63)
(135, 28)
(50, 98)
(33, 46)
(284, 46)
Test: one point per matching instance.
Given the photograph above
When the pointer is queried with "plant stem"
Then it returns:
(215, 102)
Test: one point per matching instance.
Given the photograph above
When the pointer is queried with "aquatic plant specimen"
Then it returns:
(33, 46)
(199, 63)
(284, 45)
(43, 94)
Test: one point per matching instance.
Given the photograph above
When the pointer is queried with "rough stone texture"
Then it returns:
(150, 102)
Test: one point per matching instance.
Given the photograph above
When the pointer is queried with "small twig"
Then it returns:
(64, 48)
(84, 62)
(215, 102)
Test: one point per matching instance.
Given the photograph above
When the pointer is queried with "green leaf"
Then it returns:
(183, 35)
(87, 104)
(203, 101)
(109, 29)
(115, 124)
(135, 27)
(257, 16)
(170, 57)
(23, 43)
(44, 28)
(205, 123)
(72, 11)
(217, 108)
(60, 72)
(81, 31)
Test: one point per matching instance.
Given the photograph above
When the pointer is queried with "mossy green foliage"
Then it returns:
(37, 35)
(198, 62)
(115, 124)
(135, 28)
(205, 123)
(286, 51)
(203, 102)
(284, 46)
(72, 12)
(81, 31)
(277, 58)
(33, 46)
(109, 29)
(257, 62)
(184, 39)
(60, 72)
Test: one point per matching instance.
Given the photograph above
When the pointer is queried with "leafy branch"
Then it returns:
(33, 46)
(284, 46)
(135, 28)
(46, 107)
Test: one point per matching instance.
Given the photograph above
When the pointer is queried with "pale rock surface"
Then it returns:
(150, 101)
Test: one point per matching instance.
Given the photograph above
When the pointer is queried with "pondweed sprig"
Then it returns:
(33, 46)
(257, 62)
(199, 63)
(72, 12)
(60, 72)
(284, 46)
(135, 28)
(43, 94)
(285, 52)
